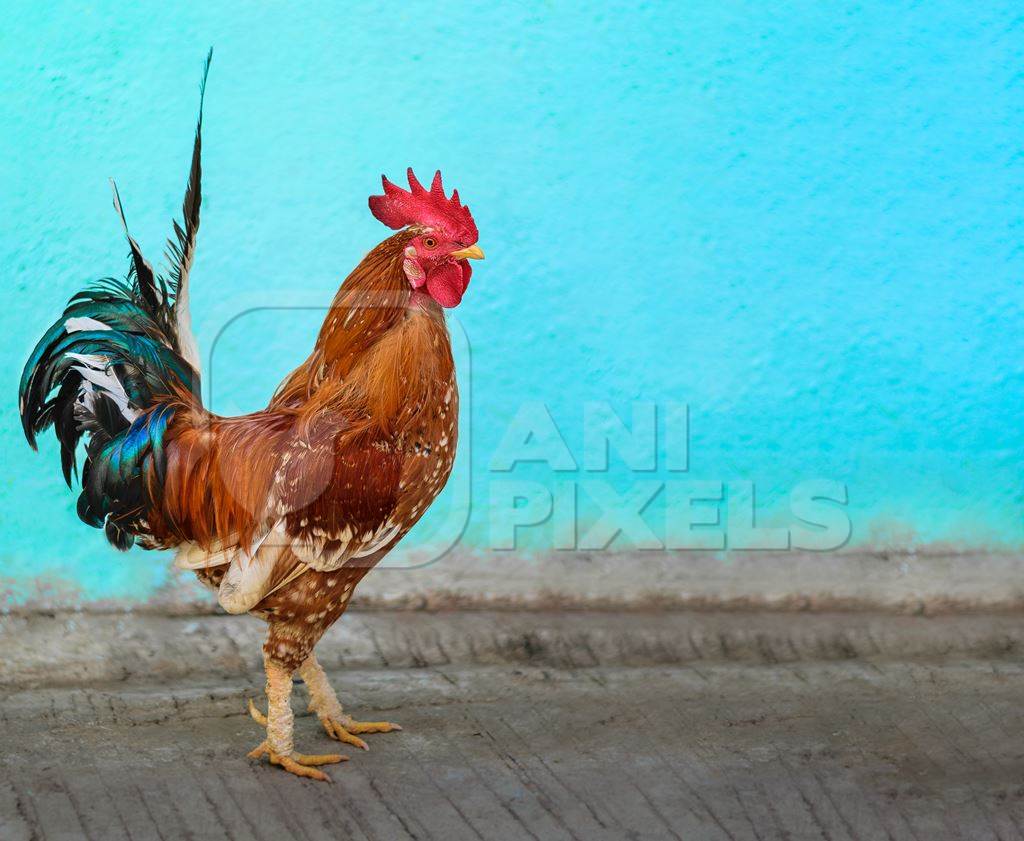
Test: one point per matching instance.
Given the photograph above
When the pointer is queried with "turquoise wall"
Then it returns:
(802, 220)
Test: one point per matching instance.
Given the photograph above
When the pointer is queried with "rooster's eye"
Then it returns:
(430, 242)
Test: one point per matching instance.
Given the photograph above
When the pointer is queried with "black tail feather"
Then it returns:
(181, 248)
(145, 279)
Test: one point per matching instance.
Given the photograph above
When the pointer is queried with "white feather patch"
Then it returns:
(383, 537)
(194, 556)
(108, 382)
(79, 323)
(246, 582)
(111, 387)
(183, 317)
(93, 360)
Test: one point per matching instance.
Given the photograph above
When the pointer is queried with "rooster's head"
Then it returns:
(438, 255)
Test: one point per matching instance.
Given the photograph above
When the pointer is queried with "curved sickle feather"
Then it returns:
(182, 247)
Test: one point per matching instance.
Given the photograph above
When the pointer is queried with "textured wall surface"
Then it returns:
(802, 220)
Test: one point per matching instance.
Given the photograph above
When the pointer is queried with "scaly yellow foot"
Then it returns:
(324, 703)
(344, 729)
(300, 764)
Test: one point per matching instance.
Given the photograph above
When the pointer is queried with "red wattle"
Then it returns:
(446, 284)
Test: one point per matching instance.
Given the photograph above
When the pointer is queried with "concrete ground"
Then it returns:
(585, 726)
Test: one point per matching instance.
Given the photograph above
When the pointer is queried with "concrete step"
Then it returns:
(73, 649)
(932, 580)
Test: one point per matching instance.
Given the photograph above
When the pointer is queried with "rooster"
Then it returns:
(282, 511)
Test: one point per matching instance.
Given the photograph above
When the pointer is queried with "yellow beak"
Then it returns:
(474, 252)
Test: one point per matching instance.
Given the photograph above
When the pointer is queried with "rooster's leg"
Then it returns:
(278, 721)
(324, 702)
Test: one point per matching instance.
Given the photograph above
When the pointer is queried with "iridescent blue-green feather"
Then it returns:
(115, 490)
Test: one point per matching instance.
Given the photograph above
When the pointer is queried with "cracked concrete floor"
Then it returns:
(833, 750)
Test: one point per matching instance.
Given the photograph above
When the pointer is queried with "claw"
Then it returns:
(299, 764)
(293, 767)
(259, 751)
(319, 758)
(335, 730)
(372, 726)
(345, 729)
(257, 716)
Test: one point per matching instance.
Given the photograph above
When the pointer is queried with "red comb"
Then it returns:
(418, 206)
